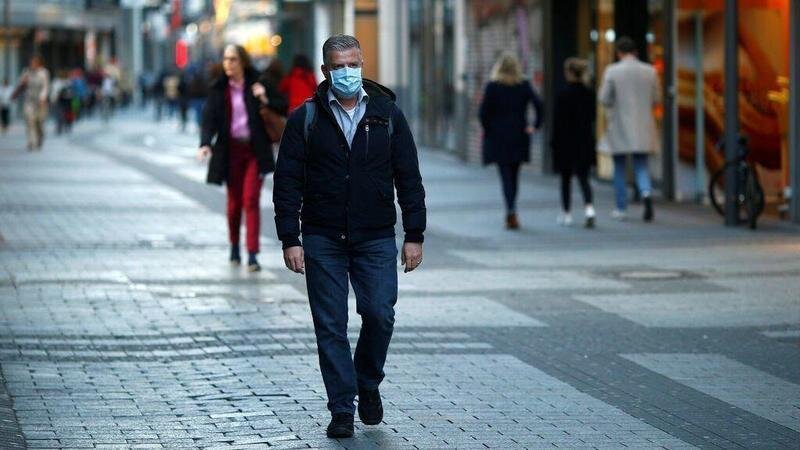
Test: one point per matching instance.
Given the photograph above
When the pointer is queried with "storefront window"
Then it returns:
(763, 92)
(431, 72)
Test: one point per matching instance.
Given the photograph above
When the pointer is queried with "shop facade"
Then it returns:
(447, 47)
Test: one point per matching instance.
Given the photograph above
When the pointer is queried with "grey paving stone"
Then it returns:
(118, 327)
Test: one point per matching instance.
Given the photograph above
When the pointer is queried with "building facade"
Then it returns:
(437, 54)
(66, 33)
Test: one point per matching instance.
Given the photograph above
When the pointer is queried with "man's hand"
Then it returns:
(411, 256)
(294, 259)
(203, 153)
(530, 130)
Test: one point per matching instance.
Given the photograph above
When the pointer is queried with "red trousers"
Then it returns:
(244, 193)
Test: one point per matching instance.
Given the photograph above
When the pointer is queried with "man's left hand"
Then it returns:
(411, 256)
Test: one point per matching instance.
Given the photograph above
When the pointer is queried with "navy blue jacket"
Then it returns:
(503, 114)
(348, 193)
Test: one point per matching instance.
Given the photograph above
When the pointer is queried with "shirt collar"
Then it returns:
(363, 97)
(234, 84)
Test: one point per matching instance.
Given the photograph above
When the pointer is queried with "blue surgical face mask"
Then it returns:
(346, 82)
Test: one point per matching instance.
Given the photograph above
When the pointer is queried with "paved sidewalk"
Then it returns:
(122, 326)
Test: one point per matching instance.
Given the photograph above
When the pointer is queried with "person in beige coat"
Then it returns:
(629, 91)
(35, 82)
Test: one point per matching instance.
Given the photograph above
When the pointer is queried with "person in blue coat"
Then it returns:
(506, 130)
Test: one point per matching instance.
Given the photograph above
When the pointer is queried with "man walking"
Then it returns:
(629, 91)
(343, 154)
(36, 82)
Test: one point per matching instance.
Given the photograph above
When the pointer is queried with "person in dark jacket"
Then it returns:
(300, 84)
(573, 142)
(271, 79)
(233, 134)
(339, 175)
(506, 132)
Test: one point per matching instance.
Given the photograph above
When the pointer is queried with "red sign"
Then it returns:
(181, 54)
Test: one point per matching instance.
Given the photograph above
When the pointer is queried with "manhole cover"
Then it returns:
(652, 275)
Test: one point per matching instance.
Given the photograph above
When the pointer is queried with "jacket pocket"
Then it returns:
(385, 191)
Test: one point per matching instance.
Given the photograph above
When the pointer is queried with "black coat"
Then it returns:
(503, 114)
(348, 193)
(573, 140)
(216, 124)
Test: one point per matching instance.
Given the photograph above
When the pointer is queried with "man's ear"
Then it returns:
(324, 70)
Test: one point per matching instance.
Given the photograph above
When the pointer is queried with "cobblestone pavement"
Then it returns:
(122, 326)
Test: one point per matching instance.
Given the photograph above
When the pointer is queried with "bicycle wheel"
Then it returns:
(753, 198)
(716, 190)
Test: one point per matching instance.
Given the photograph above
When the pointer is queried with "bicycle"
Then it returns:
(750, 202)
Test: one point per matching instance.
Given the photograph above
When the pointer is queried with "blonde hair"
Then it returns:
(507, 70)
(577, 68)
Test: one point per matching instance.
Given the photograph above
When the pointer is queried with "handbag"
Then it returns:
(274, 123)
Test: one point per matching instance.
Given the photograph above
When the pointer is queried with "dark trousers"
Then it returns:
(509, 178)
(372, 269)
(4, 117)
(566, 187)
(244, 194)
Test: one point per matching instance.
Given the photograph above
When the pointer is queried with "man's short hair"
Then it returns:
(338, 43)
(625, 45)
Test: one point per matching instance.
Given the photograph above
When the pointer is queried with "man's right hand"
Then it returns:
(203, 153)
(294, 259)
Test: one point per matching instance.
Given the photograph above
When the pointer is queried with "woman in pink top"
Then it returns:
(233, 134)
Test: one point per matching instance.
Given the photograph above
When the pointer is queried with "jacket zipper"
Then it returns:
(366, 153)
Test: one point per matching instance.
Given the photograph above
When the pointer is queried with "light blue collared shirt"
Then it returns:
(348, 124)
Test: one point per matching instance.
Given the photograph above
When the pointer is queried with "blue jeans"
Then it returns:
(372, 269)
(642, 178)
(196, 104)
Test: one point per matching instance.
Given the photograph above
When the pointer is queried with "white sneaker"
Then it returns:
(589, 215)
(619, 215)
(564, 219)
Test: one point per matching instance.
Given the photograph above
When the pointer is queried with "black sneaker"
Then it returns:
(648, 209)
(252, 263)
(341, 426)
(235, 258)
(370, 408)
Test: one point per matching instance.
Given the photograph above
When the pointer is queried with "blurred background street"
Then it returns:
(122, 325)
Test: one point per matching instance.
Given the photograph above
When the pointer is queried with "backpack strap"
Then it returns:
(391, 125)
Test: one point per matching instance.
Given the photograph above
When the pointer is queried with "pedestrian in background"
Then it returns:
(342, 156)
(630, 90)
(198, 91)
(242, 153)
(300, 84)
(35, 81)
(6, 91)
(271, 79)
(80, 90)
(183, 98)
(506, 130)
(573, 142)
(274, 105)
(61, 95)
(172, 83)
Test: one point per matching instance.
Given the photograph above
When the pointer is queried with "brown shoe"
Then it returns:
(512, 223)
